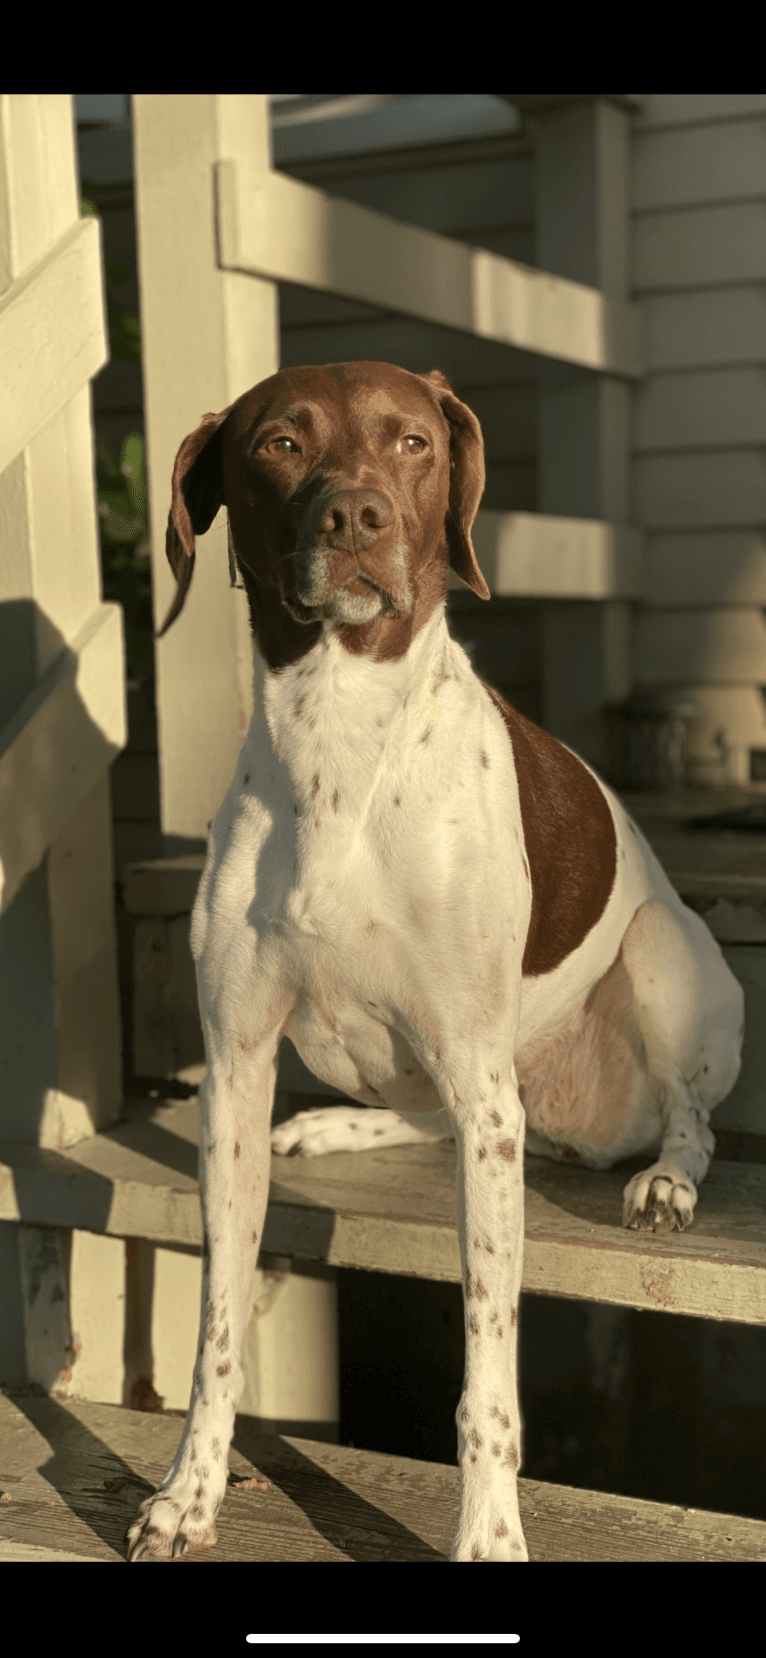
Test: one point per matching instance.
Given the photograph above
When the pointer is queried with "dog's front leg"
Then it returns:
(490, 1204)
(235, 1115)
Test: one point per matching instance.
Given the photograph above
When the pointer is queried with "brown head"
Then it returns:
(350, 489)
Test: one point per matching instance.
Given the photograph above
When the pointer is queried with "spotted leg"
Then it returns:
(235, 1112)
(490, 1207)
(690, 1010)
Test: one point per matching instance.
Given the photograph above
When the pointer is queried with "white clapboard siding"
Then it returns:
(698, 185)
(723, 488)
(453, 201)
(710, 163)
(707, 645)
(671, 109)
(699, 247)
(700, 329)
(715, 567)
(711, 409)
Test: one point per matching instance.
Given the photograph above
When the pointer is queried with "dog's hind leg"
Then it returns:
(356, 1128)
(690, 1009)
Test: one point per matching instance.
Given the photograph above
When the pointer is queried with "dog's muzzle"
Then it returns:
(342, 531)
(359, 598)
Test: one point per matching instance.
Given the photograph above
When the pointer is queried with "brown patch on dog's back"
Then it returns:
(570, 842)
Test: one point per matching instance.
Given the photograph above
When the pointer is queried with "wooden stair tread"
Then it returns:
(394, 1211)
(76, 1473)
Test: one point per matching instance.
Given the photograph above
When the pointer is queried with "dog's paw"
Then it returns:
(178, 1518)
(330, 1128)
(660, 1199)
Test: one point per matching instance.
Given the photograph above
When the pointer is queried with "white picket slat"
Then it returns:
(52, 336)
(531, 554)
(277, 227)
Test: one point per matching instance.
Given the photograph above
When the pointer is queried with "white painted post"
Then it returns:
(59, 1003)
(62, 716)
(209, 334)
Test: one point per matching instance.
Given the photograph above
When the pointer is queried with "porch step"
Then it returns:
(394, 1211)
(75, 1474)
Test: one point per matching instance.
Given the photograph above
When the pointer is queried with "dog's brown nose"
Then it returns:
(353, 518)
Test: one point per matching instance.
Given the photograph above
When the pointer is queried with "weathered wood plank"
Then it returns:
(394, 1211)
(76, 1473)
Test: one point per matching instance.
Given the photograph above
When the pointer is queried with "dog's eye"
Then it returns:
(412, 438)
(291, 441)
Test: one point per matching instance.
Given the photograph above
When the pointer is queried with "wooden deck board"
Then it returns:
(76, 1472)
(394, 1211)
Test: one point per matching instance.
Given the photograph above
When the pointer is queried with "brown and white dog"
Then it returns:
(446, 911)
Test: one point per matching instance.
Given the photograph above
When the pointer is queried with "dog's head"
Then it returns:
(350, 489)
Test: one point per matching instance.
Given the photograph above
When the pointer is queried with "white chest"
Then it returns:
(359, 863)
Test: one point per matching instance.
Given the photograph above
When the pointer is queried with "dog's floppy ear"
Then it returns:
(466, 481)
(197, 495)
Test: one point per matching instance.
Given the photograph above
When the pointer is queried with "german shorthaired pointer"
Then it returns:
(447, 912)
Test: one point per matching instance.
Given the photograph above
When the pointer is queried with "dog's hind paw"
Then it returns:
(332, 1128)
